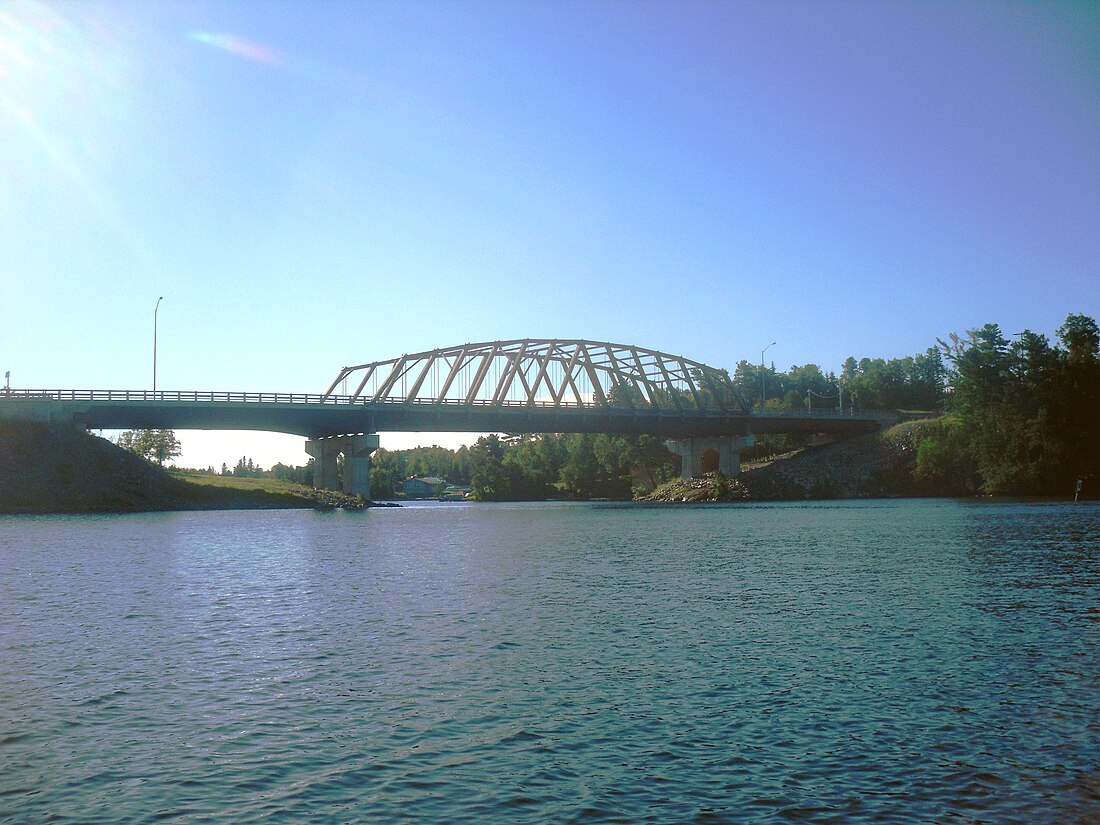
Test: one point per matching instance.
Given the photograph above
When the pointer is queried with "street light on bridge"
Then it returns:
(155, 310)
(763, 391)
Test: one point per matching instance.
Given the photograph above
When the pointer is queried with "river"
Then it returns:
(873, 661)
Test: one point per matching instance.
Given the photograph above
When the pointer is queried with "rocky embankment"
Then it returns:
(870, 466)
(60, 470)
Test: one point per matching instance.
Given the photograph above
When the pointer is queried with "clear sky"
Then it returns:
(310, 185)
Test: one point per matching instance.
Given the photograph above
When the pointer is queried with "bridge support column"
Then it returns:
(699, 456)
(325, 451)
(357, 450)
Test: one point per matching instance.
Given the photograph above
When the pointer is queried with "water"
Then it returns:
(901, 661)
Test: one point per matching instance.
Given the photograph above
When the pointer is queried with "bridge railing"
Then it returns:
(207, 397)
(193, 396)
(189, 396)
(172, 396)
(831, 412)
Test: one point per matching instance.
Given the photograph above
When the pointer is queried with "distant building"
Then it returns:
(426, 487)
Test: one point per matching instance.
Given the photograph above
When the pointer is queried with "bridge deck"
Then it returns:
(318, 416)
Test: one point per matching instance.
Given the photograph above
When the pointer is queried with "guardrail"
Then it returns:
(193, 396)
(176, 396)
(878, 415)
(210, 397)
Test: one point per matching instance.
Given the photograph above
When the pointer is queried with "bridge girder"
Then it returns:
(545, 373)
(316, 416)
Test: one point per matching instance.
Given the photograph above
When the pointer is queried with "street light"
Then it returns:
(763, 391)
(155, 310)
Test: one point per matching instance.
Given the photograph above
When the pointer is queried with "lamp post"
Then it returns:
(155, 310)
(763, 390)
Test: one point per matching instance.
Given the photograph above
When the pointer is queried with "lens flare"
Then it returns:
(241, 47)
(267, 56)
(64, 112)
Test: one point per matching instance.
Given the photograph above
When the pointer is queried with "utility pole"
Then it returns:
(155, 310)
(763, 389)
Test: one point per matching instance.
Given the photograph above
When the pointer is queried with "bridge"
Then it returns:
(520, 386)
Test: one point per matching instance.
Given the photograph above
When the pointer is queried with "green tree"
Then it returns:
(460, 466)
(807, 382)
(1081, 337)
(295, 475)
(582, 474)
(153, 445)
(620, 455)
(945, 464)
(1024, 413)
(385, 475)
(746, 377)
(529, 469)
(909, 383)
(488, 479)
(429, 461)
(245, 468)
(1077, 410)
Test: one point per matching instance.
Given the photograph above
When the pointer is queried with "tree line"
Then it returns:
(1016, 417)
(247, 468)
(1023, 415)
(915, 382)
(531, 467)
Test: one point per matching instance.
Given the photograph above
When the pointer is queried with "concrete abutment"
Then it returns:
(709, 454)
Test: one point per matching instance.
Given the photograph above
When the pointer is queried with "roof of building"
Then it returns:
(425, 479)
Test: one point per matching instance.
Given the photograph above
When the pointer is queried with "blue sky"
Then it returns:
(311, 185)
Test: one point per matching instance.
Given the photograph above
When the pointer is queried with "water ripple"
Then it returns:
(873, 662)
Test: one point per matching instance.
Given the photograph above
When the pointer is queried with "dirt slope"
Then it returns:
(60, 470)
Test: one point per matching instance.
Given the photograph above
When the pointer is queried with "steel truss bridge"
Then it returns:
(521, 386)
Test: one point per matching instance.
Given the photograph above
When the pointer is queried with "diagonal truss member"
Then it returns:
(546, 373)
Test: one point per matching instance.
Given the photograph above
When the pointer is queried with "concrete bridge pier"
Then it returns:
(325, 453)
(699, 456)
(357, 450)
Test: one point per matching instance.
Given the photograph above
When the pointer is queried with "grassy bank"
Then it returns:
(255, 491)
(267, 485)
(47, 469)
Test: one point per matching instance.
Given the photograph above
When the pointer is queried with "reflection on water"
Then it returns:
(903, 661)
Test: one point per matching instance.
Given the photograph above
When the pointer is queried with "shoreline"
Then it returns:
(60, 471)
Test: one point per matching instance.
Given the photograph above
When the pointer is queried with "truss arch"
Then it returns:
(543, 373)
